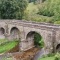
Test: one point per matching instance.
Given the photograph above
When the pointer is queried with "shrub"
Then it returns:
(39, 18)
(57, 22)
(51, 54)
(45, 10)
(50, 8)
(57, 56)
(38, 40)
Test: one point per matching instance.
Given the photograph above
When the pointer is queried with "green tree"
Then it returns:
(30, 1)
(12, 9)
(36, 1)
(51, 8)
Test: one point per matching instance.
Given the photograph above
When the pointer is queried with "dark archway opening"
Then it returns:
(58, 48)
(2, 31)
(35, 39)
(15, 35)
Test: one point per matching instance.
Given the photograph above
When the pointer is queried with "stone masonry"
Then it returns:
(17, 29)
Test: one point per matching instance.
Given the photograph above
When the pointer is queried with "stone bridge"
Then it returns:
(24, 30)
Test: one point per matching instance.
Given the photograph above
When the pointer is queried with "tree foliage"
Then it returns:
(36, 1)
(12, 9)
(50, 8)
(32, 0)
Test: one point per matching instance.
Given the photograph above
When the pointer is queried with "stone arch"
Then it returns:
(2, 32)
(32, 38)
(15, 33)
(58, 48)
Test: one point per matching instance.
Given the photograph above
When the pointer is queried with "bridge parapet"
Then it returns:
(34, 24)
(31, 24)
(28, 22)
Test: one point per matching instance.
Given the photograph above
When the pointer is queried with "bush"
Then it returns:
(57, 22)
(45, 10)
(50, 8)
(57, 56)
(51, 54)
(38, 40)
(39, 18)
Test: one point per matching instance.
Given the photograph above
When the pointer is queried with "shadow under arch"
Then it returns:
(15, 36)
(2, 32)
(15, 33)
(35, 39)
(58, 48)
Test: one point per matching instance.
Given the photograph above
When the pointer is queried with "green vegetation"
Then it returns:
(30, 11)
(47, 58)
(32, 1)
(51, 8)
(48, 11)
(32, 8)
(36, 1)
(3, 40)
(5, 47)
(57, 22)
(38, 40)
(31, 14)
(10, 58)
(51, 57)
(57, 56)
(12, 9)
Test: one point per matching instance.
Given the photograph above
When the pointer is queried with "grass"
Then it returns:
(3, 40)
(8, 58)
(47, 58)
(52, 56)
(5, 47)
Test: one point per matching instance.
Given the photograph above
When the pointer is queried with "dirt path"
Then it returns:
(27, 55)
